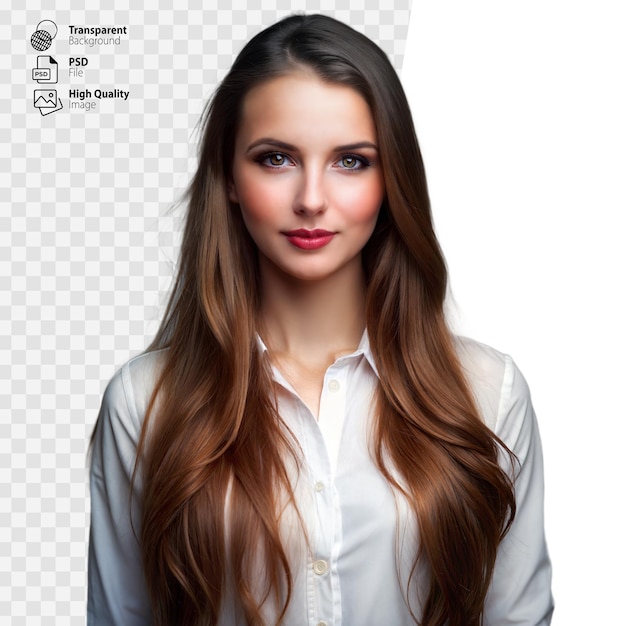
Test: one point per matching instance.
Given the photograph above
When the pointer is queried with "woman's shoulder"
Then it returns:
(495, 379)
(129, 391)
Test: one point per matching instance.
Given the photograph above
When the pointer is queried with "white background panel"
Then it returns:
(520, 110)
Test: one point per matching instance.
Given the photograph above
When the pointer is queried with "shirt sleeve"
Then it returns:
(520, 593)
(117, 593)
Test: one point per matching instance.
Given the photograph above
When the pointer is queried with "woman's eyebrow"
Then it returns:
(282, 145)
(356, 146)
(268, 141)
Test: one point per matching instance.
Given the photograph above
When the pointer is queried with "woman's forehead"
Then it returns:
(299, 106)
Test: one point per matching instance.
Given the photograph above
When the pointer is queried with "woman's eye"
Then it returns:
(274, 159)
(352, 162)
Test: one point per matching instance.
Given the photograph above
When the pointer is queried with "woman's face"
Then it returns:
(307, 175)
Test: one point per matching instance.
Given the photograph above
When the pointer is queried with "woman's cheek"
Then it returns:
(361, 203)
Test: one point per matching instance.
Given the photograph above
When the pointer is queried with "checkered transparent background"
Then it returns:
(89, 229)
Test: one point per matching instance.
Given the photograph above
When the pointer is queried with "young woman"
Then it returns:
(305, 442)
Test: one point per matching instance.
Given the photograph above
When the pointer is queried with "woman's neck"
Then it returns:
(313, 322)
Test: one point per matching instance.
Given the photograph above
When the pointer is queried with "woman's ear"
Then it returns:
(232, 192)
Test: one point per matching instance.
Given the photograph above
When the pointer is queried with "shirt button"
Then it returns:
(320, 567)
(334, 385)
(319, 486)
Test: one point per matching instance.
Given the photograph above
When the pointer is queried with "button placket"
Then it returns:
(322, 573)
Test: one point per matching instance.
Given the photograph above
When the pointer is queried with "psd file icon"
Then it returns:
(47, 70)
(46, 101)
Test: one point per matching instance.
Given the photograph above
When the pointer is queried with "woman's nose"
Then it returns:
(311, 196)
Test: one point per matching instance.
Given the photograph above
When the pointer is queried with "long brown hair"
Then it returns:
(213, 440)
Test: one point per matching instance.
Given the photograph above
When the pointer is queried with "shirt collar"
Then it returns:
(365, 349)
(362, 349)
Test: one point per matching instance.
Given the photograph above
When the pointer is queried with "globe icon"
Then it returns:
(41, 40)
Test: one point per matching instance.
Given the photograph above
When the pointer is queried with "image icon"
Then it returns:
(46, 101)
(47, 70)
(42, 38)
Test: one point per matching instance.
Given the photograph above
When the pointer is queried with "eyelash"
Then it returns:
(361, 161)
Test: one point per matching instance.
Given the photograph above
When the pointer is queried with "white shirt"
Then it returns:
(355, 573)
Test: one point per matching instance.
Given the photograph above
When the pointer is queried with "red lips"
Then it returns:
(309, 239)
